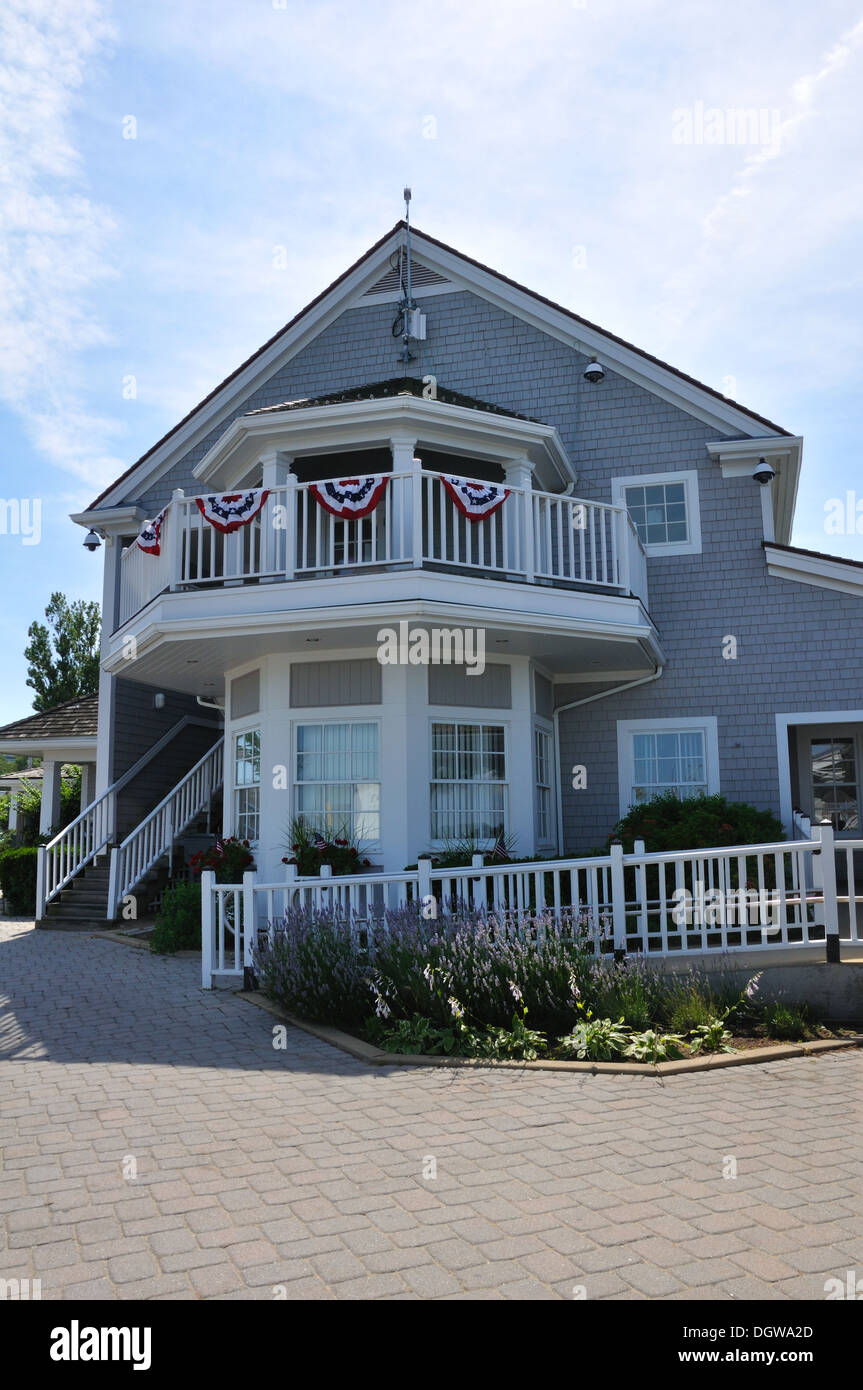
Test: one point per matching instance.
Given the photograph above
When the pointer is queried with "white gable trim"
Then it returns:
(820, 571)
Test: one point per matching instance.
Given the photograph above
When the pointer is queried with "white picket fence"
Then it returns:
(691, 903)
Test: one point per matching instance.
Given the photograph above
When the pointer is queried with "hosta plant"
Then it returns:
(595, 1039)
(651, 1046)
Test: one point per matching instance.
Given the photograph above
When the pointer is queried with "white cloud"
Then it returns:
(54, 240)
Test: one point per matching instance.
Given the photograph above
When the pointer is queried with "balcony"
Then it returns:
(535, 539)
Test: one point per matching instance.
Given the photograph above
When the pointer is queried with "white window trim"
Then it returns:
(358, 717)
(542, 726)
(708, 725)
(467, 716)
(826, 717)
(689, 478)
(248, 724)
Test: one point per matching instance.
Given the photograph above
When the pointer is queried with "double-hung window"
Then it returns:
(247, 785)
(543, 766)
(338, 781)
(667, 755)
(468, 786)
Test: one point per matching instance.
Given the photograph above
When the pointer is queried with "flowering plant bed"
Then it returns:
(474, 985)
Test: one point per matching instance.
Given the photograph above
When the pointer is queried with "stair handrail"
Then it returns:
(155, 834)
(79, 842)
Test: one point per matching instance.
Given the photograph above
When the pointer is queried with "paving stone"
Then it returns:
(300, 1172)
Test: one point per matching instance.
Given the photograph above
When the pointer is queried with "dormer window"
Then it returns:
(664, 511)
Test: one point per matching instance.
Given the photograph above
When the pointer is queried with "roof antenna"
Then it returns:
(413, 322)
(407, 303)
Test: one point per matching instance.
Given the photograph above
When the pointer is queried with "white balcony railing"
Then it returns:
(535, 536)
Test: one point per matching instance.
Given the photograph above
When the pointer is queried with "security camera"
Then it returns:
(594, 371)
(92, 540)
(764, 474)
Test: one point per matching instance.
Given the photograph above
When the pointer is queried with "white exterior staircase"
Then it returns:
(83, 876)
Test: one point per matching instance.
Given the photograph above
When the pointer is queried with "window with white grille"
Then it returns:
(468, 787)
(247, 785)
(337, 784)
(543, 764)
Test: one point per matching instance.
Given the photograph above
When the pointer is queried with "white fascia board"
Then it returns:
(64, 750)
(113, 520)
(357, 424)
(627, 362)
(821, 573)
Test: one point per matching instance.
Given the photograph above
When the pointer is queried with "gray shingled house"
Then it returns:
(457, 566)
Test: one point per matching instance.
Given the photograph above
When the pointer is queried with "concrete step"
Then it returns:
(94, 923)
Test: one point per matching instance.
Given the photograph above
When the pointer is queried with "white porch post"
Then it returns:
(51, 781)
(403, 448)
(827, 860)
(518, 516)
(276, 474)
(88, 784)
(110, 610)
(13, 810)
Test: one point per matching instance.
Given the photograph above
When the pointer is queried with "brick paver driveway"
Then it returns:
(305, 1172)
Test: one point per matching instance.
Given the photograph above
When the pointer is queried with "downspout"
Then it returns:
(573, 704)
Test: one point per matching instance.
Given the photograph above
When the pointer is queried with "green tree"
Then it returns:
(63, 655)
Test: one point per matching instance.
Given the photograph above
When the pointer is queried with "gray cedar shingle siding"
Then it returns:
(800, 647)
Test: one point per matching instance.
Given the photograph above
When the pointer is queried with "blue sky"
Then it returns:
(560, 142)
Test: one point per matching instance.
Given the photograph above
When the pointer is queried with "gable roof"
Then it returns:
(76, 719)
(431, 241)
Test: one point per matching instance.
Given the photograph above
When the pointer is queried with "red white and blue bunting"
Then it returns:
(350, 498)
(229, 511)
(475, 500)
(149, 538)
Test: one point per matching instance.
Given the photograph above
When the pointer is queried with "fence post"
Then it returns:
(424, 888)
(477, 861)
(249, 880)
(208, 927)
(828, 879)
(41, 867)
(618, 900)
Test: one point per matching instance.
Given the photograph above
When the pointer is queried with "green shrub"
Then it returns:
(18, 878)
(667, 822)
(786, 1021)
(178, 923)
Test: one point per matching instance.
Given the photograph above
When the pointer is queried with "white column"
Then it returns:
(13, 810)
(403, 448)
(88, 784)
(275, 474)
(404, 783)
(518, 514)
(110, 607)
(50, 812)
(522, 776)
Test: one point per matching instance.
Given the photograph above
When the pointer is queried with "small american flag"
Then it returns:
(500, 850)
(319, 842)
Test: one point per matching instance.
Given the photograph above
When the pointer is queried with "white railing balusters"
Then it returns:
(155, 834)
(535, 534)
